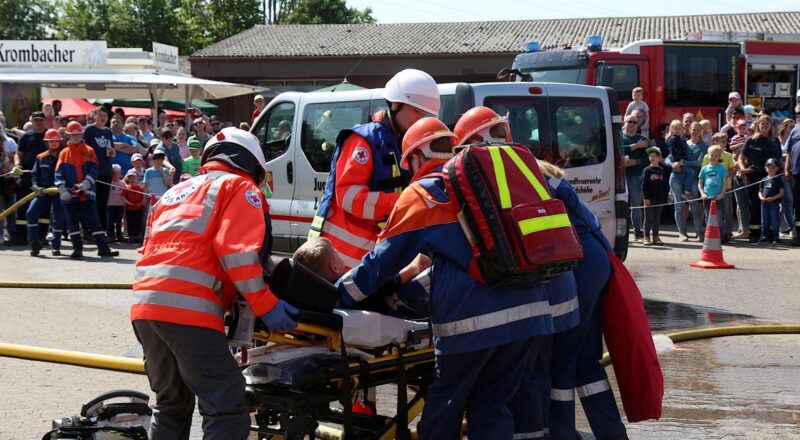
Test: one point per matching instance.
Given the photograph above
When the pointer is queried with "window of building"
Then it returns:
(322, 124)
(275, 130)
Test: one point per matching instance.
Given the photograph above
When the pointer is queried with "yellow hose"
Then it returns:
(113, 363)
(718, 332)
(127, 365)
(58, 285)
(24, 200)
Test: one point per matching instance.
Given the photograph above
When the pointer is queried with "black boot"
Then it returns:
(36, 246)
(76, 255)
(108, 253)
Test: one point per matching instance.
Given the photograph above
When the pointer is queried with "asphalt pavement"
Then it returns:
(732, 388)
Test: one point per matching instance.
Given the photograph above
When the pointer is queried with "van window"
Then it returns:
(580, 131)
(527, 117)
(623, 78)
(275, 130)
(321, 126)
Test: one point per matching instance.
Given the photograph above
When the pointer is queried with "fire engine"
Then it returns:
(693, 75)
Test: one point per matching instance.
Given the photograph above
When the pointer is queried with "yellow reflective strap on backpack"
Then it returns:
(500, 177)
(531, 225)
(543, 193)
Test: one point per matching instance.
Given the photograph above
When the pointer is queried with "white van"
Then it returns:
(577, 127)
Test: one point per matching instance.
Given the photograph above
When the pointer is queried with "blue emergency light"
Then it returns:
(594, 43)
(532, 46)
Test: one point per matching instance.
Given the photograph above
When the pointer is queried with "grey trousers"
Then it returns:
(183, 362)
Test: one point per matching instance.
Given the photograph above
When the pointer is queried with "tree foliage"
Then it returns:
(188, 24)
(26, 19)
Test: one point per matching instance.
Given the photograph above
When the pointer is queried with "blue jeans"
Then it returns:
(742, 206)
(787, 205)
(770, 220)
(722, 219)
(678, 185)
(635, 199)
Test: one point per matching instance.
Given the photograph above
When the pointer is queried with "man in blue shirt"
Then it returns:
(124, 145)
(101, 139)
(173, 153)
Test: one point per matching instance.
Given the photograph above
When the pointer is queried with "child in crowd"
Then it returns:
(721, 140)
(653, 190)
(734, 100)
(134, 199)
(137, 160)
(158, 178)
(192, 164)
(116, 207)
(770, 195)
(738, 141)
(708, 132)
(638, 104)
(711, 183)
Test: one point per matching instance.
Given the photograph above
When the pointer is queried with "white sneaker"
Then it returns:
(683, 238)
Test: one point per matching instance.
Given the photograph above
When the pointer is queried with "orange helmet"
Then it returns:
(74, 127)
(429, 135)
(52, 135)
(483, 123)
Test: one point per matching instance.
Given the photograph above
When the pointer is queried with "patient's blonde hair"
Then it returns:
(550, 170)
(315, 254)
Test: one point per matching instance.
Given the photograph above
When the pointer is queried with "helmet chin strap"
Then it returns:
(392, 120)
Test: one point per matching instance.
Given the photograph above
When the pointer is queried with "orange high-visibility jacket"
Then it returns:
(202, 245)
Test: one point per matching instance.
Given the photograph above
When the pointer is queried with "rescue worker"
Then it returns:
(75, 176)
(366, 178)
(531, 401)
(207, 239)
(43, 176)
(484, 337)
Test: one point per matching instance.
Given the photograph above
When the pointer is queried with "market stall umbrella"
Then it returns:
(343, 86)
(72, 107)
(167, 104)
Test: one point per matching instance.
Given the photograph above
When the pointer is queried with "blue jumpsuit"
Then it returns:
(484, 339)
(577, 352)
(43, 176)
(78, 163)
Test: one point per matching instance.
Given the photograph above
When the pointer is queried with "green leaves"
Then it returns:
(188, 24)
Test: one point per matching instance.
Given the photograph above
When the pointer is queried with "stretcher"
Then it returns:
(303, 383)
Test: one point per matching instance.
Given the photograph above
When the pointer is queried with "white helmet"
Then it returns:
(415, 88)
(236, 136)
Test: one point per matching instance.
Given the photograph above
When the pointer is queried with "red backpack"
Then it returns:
(519, 234)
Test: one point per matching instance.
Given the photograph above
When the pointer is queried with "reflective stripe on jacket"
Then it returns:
(363, 186)
(77, 163)
(465, 314)
(204, 242)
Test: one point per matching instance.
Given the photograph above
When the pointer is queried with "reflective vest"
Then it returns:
(363, 186)
(206, 238)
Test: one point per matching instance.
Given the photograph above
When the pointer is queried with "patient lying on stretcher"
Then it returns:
(406, 295)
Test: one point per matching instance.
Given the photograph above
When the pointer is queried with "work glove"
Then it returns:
(36, 190)
(85, 185)
(280, 317)
(17, 171)
(63, 194)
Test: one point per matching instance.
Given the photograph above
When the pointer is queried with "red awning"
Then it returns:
(72, 107)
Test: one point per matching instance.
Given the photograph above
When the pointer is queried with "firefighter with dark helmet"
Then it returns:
(206, 242)
(366, 178)
(43, 176)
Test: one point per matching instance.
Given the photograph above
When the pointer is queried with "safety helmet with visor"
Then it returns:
(429, 136)
(482, 124)
(52, 135)
(415, 88)
(74, 127)
(239, 149)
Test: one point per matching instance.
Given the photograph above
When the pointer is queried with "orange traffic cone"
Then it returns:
(711, 255)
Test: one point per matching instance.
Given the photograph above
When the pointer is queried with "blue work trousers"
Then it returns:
(86, 213)
(576, 355)
(787, 206)
(39, 206)
(531, 404)
(481, 384)
(635, 199)
(770, 220)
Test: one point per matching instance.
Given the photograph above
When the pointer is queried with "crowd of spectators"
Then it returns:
(137, 161)
(750, 167)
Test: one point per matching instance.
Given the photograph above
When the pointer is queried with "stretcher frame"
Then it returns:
(296, 411)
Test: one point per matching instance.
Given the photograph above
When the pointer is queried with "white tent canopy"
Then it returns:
(124, 84)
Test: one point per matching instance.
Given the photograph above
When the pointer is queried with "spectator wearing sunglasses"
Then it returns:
(634, 146)
(200, 126)
(216, 124)
(173, 154)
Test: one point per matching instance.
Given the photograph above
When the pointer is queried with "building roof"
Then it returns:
(269, 41)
